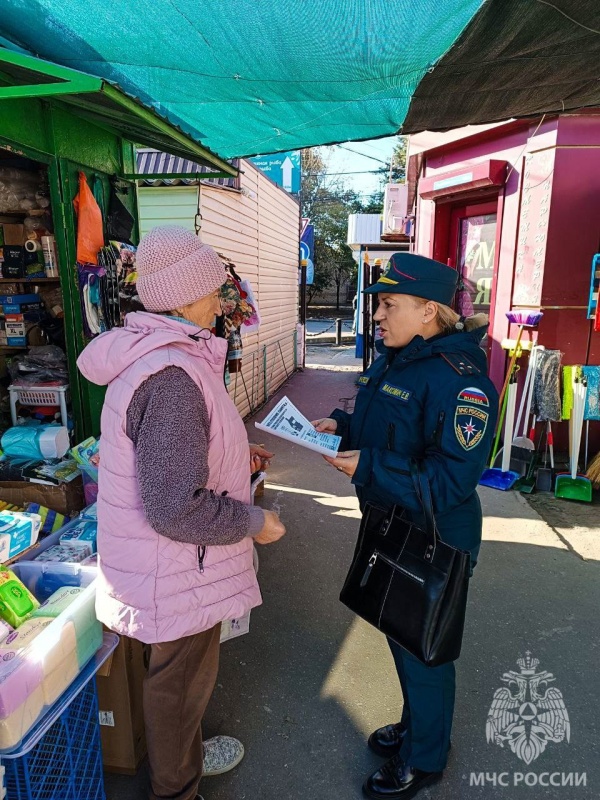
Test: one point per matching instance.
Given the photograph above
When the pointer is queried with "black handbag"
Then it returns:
(407, 582)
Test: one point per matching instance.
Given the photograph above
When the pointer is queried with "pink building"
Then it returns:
(515, 207)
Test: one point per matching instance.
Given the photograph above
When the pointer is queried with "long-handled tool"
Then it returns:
(571, 486)
(524, 319)
(524, 439)
(504, 478)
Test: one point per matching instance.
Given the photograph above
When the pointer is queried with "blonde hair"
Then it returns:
(447, 318)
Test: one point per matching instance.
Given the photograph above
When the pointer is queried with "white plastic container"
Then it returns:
(33, 678)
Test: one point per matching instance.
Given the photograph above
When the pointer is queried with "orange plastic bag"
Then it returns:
(90, 230)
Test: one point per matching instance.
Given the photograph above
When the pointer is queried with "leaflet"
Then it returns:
(288, 423)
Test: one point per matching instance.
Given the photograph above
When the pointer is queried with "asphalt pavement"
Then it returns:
(310, 681)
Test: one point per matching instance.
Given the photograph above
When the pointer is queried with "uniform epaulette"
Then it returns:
(461, 364)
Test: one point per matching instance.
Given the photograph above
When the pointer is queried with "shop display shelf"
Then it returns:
(30, 280)
(61, 757)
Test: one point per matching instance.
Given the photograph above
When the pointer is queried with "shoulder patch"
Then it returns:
(470, 424)
(396, 391)
(362, 380)
(474, 396)
(461, 364)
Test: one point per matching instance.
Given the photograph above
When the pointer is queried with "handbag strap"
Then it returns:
(423, 490)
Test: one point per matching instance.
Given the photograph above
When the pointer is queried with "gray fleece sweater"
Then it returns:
(168, 423)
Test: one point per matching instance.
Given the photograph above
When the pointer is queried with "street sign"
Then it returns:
(282, 168)
(307, 250)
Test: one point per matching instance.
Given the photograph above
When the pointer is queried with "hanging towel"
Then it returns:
(592, 400)
(546, 385)
(567, 404)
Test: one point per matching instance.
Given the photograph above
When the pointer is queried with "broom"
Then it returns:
(524, 319)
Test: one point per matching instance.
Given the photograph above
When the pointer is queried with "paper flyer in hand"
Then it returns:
(288, 423)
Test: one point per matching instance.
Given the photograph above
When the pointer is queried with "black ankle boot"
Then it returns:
(398, 781)
(387, 741)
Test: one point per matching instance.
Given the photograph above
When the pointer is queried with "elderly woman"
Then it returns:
(427, 399)
(176, 527)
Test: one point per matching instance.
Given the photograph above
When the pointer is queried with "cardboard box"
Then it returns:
(120, 700)
(16, 332)
(67, 498)
(13, 234)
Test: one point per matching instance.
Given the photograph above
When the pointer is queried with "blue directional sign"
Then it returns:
(307, 252)
(282, 168)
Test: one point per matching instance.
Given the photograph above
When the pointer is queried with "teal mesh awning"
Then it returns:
(251, 76)
(259, 76)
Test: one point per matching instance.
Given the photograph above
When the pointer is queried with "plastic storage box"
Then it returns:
(61, 758)
(32, 679)
(90, 483)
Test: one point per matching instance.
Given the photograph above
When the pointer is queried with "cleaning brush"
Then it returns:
(524, 319)
(593, 471)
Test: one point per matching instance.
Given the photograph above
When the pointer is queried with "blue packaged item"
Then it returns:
(91, 512)
(18, 532)
(35, 442)
(81, 532)
(18, 299)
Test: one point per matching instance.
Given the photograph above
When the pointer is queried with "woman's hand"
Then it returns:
(325, 425)
(259, 458)
(345, 462)
(272, 530)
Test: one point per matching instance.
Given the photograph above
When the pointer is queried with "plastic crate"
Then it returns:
(44, 395)
(61, 759)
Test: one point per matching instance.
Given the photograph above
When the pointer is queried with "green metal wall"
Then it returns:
(50, 133)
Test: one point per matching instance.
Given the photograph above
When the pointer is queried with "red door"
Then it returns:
(472, 251)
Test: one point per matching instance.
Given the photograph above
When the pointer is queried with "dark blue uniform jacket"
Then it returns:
(431, 401)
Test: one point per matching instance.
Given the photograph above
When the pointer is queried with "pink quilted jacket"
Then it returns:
(151, 587)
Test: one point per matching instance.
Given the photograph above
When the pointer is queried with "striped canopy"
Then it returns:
(248, 77)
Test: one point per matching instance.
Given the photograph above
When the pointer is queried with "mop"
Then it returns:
(547, 406)
(504, 478)
(571, 486)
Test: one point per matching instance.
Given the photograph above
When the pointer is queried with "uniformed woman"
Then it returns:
(427, 398)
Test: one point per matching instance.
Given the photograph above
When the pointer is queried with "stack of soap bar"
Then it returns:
(64, 553)
(18, 531)
(21, 699)
(81, 534)
(58, 602)
(57, 651)
(78, 607)
(16, 601)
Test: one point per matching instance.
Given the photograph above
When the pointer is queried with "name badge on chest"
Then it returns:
(397, 392)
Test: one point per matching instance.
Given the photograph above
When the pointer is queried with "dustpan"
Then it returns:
(545, 474)
(527, 484)
(571, 486)
(504, 478)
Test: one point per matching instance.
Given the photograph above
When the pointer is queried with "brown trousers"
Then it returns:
(180, 680)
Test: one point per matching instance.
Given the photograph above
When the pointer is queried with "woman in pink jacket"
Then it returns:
(176, 526)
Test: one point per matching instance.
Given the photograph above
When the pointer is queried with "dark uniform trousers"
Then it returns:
(428, 710)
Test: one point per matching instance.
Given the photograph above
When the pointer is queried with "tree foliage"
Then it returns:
(327, 202)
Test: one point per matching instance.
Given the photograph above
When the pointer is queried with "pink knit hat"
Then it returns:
(175, 269)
